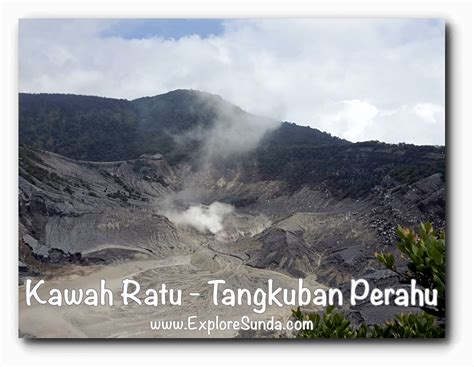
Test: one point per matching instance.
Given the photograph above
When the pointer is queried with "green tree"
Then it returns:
(426, 253)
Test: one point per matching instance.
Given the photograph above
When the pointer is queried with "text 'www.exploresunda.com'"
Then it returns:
(192, 323)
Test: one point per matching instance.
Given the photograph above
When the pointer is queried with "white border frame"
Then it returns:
(456, 350)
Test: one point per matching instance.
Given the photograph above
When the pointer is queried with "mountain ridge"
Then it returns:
(188, 126)
(188, 93)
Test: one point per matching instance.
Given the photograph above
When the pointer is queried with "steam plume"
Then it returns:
(202, 217)
(231, 133)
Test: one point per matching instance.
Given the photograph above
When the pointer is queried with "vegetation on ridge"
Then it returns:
(105, 129)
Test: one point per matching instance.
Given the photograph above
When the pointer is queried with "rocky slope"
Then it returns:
(88, 207)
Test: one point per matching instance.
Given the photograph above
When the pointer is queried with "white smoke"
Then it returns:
(202, 217)
(231, 133)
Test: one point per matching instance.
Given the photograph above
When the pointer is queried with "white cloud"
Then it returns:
(429, 112)
(356, 120)
(360, 79)
(351, 120)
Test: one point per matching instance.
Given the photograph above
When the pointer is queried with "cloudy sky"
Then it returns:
(359, 79)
